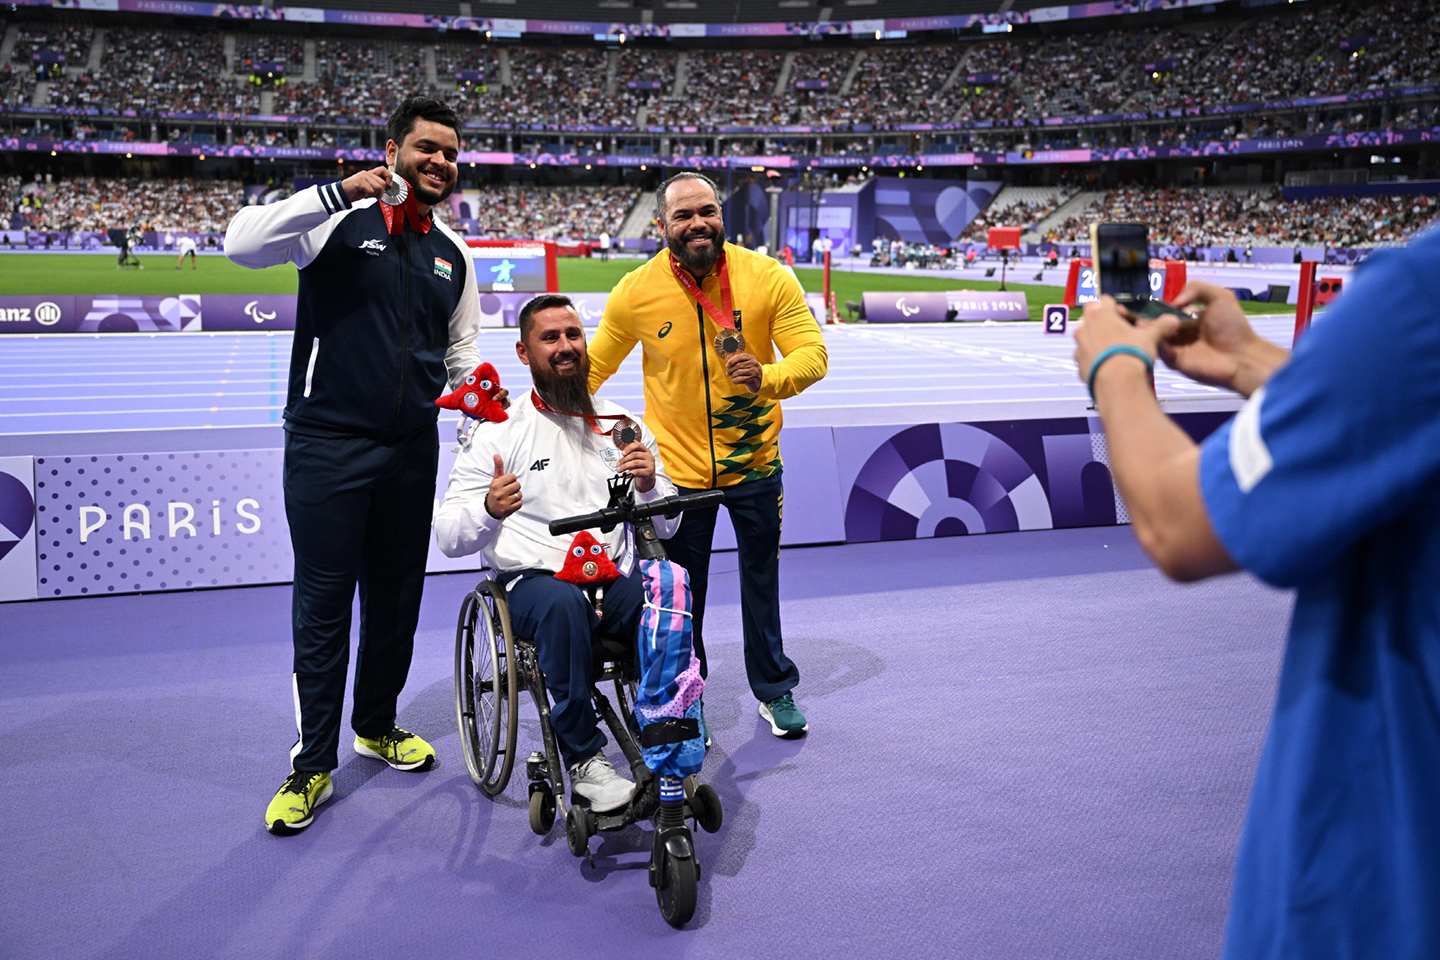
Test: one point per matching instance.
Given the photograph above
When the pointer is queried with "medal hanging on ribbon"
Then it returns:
(624, 433)
(396, 192)
(399, 197)
(729, 340)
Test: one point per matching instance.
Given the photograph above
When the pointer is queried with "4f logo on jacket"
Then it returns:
(540, 464)
(373, 247)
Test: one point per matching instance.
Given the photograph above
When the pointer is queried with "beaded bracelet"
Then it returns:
(1111, 351)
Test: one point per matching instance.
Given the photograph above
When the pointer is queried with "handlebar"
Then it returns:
(610, 517)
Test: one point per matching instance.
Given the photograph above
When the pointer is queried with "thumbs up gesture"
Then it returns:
(504, 496)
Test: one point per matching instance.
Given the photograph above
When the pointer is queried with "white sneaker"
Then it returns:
(596, 780)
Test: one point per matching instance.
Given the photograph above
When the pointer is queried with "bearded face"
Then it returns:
(427, 161)
(563, 380)
(697, 245)
(694, 229)
(432, 179)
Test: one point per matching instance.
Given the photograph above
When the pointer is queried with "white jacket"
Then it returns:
(562, 465)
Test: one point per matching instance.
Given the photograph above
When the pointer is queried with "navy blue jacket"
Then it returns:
(382, 324)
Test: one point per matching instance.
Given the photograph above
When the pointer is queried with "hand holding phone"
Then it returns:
(1120, 253)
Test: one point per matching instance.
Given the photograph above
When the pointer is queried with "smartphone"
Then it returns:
(1120, 253)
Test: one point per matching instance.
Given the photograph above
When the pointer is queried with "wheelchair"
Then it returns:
(493, 667)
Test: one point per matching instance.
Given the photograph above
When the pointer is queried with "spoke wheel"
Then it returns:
(486, 692)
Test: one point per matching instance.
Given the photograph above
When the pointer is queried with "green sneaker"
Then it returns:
(785, 718)
(400, 749)
(294, 805)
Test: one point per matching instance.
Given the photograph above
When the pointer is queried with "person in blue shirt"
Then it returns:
(1327, 481)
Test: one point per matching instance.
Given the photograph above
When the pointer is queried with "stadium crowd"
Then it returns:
(1189, 216)
(553, 213)
(81, 204)
(1221, 217)
(747, 78)
(1026, 214)
(1258, 59)
(564, 86)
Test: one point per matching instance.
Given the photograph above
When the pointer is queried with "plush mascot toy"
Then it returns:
(476, 396)
(587, 564)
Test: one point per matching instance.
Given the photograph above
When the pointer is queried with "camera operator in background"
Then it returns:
(1326, 481)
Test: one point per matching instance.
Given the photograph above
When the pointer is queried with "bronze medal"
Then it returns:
(626, 432)
(590, 568)
(729, 342)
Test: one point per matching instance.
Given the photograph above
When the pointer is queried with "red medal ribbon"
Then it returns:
(723, 317)
(544, 407)
(394, 223)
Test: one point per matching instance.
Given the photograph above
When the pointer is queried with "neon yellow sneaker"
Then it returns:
(400, 749)
(294, 805)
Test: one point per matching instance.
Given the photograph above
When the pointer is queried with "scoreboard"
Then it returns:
(514, 266)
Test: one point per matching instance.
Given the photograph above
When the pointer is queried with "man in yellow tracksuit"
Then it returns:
(711, 317)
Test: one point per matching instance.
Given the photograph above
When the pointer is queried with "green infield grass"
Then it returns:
(48, 274)
(58, 273)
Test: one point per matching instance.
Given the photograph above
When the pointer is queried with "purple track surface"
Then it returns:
(232, 383)
(1023, 745)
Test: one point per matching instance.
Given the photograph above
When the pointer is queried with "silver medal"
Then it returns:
(396, 192)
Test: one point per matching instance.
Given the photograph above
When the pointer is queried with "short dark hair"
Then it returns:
(402, 121)
(664, 188)
(543, 302)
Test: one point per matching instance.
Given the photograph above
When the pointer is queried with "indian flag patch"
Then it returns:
(442, 268)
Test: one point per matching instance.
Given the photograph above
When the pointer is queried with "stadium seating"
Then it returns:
(85, 204)
(132, 80)
(1219, 216)
(1262, 58)
(1194, 217)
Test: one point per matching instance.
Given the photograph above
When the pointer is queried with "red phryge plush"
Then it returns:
(587, 564)
(476, 396)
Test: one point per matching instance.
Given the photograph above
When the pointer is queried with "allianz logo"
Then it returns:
(253, 311)
(47, 314)
(180, 516)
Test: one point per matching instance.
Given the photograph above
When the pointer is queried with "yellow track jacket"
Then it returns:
(712, 431)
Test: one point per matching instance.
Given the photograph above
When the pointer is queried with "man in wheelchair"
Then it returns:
(551, 459)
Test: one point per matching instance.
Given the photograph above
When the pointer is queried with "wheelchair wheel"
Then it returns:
(577, 830)
(676, 892)
(486, 692)
(705, 805)
(542, 810)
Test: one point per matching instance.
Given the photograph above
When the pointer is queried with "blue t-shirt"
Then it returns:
(1329, 481)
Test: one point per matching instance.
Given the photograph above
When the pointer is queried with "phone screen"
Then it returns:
(1121, 252)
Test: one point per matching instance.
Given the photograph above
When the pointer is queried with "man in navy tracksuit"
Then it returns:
(387, 308)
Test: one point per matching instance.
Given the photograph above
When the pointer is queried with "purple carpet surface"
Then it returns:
(1022, 745)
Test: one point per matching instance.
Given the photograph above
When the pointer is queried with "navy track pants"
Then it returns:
(359, 511)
